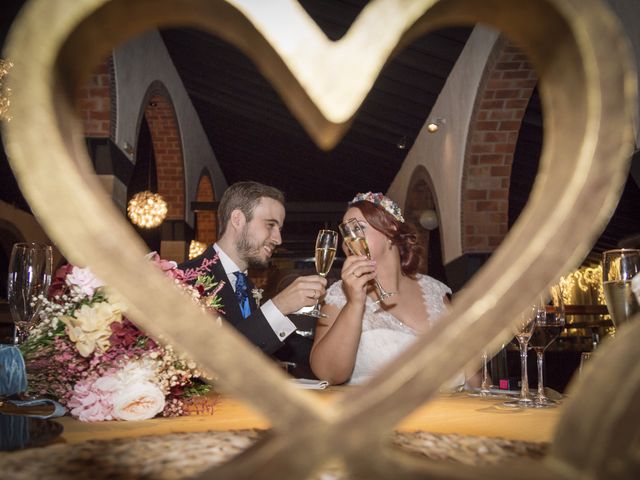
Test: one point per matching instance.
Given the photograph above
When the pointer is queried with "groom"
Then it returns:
(250, 217)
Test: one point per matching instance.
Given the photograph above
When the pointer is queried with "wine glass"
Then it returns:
(523, 329)
(548, 327)
(30, 270)
(356, 242)
(485, 387)
(326, 245)
(618, 268)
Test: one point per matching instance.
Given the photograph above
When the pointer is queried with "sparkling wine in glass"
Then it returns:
(326, 245)
(548, 328)
(618, 269)
(356, 242)
(30, 271)
(523, 329)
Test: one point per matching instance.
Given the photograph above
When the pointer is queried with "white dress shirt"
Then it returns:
(281, 325)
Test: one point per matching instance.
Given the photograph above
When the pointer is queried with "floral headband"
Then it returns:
(381, 200)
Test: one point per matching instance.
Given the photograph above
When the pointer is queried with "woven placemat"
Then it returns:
(182, 455)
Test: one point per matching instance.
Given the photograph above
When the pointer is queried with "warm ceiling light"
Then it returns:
(196, 248)
(434, 124)
(147, 209)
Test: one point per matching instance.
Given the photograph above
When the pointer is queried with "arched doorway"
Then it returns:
(421, 209)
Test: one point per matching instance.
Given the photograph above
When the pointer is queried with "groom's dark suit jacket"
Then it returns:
(255, 327)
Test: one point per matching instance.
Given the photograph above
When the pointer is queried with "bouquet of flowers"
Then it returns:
(88, 356)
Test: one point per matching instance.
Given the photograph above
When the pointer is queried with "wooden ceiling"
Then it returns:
(254, 136)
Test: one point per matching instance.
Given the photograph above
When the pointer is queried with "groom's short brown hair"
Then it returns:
(244, 196)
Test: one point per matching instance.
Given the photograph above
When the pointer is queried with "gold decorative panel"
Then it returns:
(588, 91)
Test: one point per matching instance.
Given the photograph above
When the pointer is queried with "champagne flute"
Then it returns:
(548, 327)
(356, 242)
(523, 329)
(618, 269)
(326, 245)
(30, 270)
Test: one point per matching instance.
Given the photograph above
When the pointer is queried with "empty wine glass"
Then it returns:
(548, 327)
(485, 387)
(523, 329)
(356, 242)
(618, 269)
(326, 245)
(30, 269)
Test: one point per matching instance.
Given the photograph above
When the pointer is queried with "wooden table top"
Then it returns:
(457, 413)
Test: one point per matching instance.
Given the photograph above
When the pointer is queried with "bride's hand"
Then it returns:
(357, 271)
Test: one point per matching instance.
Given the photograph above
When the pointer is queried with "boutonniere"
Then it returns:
(256, 293)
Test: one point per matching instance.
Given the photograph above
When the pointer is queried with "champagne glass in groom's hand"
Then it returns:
(326, 245)
(30, 270)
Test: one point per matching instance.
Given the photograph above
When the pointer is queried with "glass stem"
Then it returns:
(484, 388)
(20, 335)
(540, 358)
(524, 389)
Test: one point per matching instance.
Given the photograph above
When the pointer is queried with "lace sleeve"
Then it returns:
(335, 295)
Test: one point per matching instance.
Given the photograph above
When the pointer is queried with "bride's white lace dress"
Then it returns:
(383, 335)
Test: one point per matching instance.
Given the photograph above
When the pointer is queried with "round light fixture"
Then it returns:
(434, 124)
(147, 209)
(196, 248)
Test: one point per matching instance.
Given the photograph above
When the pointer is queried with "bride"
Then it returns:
(359, 336)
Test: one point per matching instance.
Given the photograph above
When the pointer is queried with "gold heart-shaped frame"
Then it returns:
(588, 90)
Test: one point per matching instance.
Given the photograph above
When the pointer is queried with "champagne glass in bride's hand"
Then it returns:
(326, 245)
(618, 269)
(356, 242)
(30, 269)
(548, 327)
(523, 329)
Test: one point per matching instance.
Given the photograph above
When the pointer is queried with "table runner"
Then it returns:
(184, 455)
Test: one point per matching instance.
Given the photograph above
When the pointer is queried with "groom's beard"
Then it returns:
(252, 251)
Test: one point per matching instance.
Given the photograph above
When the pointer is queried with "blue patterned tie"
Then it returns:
(242, 293)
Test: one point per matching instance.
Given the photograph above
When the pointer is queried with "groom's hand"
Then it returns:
(302, 292)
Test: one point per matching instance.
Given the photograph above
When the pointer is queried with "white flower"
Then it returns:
(140, 371)
(256, 293)
(81, 280)
(90, 327)
(138, 401)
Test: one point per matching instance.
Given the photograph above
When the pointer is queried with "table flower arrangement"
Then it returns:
(87, 355)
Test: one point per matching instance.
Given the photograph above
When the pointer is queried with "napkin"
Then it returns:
(308, 384)
(36, 408)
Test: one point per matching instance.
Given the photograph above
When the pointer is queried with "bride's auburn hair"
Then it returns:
(402, 235)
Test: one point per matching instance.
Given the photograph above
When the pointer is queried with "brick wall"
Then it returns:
(94, 102)
(206, 222)
(168, 154)
(508, 82)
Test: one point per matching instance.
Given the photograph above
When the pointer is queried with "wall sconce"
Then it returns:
(434, 124)
(428, 220)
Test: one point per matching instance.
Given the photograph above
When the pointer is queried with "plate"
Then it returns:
(19, 431)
